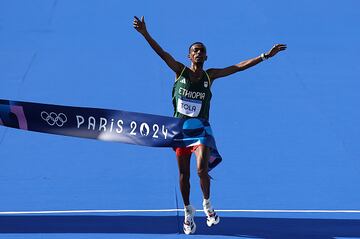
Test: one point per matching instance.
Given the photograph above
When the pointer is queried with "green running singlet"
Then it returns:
(191, 99)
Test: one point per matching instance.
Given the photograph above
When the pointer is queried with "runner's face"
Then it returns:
(198, 53)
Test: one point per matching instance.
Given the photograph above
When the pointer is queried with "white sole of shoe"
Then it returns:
(193, 230)
(212, 221)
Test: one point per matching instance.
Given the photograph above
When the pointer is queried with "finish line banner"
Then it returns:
(109, 125)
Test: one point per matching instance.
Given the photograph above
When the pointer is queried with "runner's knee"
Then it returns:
(203, 172)
(184, 176)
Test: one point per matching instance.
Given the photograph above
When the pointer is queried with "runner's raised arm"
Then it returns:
(217, 73)
(140, 26)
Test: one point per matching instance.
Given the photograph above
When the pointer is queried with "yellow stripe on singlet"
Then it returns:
(181, 73)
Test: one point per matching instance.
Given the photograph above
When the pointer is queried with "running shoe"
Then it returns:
(189, 223)
(211, 217)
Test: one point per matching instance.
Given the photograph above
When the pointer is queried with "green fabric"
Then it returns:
(191, 99)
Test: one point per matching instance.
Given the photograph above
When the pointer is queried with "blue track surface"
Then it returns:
(288, 129)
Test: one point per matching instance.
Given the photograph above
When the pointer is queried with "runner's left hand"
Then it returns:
(275, 49)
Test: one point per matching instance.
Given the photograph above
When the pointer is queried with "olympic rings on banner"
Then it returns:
(53, 118)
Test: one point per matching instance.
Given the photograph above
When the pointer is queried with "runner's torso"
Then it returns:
(191, 99)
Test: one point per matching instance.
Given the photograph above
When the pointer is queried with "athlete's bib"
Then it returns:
(189, 107)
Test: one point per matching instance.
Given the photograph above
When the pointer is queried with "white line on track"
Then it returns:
(174, 210)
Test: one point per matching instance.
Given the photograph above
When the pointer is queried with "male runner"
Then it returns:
(191, 98)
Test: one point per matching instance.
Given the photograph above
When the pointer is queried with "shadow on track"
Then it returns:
(229, 226)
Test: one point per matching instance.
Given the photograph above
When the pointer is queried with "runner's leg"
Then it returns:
(202, 159)
(184, 174)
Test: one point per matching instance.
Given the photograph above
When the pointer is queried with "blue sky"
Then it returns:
(288, 129)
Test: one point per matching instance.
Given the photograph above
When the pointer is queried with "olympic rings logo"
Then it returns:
(53, 118)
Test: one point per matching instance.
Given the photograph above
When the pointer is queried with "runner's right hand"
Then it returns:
(139, 25)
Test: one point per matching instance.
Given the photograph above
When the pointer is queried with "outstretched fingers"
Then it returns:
(136, 22)
(281, 47)
(275, 49)
(139, 25)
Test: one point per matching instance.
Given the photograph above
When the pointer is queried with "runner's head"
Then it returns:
(197, 52)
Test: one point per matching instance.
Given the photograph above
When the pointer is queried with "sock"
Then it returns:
(188, 207)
